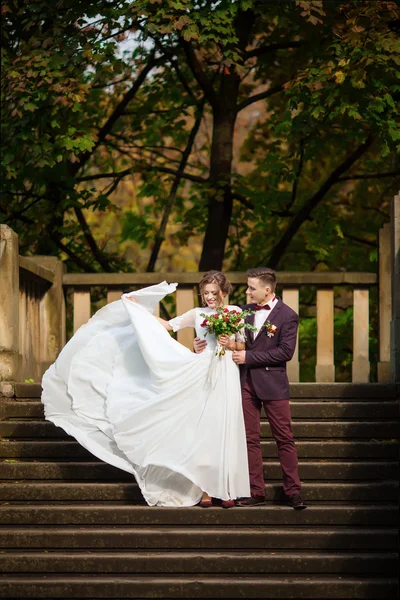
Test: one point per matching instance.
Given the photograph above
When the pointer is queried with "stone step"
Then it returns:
(196, 538)
(358, 391)
(348, 391)
(301, 429)
(99, 471)
(202, 562)
(70, 449)
(187, 586)
(121, 514)
(366, 492)
(300, 409)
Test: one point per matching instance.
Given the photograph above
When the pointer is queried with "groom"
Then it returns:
(264, 382)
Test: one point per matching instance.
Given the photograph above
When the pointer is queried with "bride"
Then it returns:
(137, 399)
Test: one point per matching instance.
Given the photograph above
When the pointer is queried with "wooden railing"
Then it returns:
(33, 309)
(289, 282)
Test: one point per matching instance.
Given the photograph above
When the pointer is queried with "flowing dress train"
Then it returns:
(137, 399)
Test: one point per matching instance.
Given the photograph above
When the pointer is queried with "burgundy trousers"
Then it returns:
(278, 415)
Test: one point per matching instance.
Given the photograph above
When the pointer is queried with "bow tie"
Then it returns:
(262, 307)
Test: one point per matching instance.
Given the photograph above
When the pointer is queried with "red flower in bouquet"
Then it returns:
(226, 322)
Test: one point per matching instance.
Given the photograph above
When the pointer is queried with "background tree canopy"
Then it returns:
(177, 134)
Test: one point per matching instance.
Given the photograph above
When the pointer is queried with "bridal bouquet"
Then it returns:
(226, 322)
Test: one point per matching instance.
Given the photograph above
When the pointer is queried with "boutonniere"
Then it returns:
(270, 329)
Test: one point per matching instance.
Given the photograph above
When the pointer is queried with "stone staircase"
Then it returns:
(73, 527)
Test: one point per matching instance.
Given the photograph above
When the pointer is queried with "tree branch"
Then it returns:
(129, 113)
(17, 215)
(361, 241)
(174, 189)
(146, 167)
(243, 200)
(199, 74)
(182, 78)
(112, 35)
(261, 96)
(364, 207)
(116, 114)
(272, 48)
(103, 176)
(370, 176)
(85, 266)
(275, 255)
(188, 176)
(97, 253)
(115, 184)
(98, 86)
(297, 178)
(119, 110)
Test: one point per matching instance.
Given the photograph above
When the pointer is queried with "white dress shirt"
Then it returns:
(262, 315)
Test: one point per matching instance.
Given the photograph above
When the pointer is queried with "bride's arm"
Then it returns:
(225, 340)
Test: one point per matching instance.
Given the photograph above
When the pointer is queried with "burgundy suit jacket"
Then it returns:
(266, 357)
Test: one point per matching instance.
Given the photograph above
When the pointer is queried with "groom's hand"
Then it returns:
(239, 357)
(199, 345)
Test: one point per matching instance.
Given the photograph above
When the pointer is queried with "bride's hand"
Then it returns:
(224, 340)
(131, 298)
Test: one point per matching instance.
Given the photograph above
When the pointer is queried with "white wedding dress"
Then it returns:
(141, 401)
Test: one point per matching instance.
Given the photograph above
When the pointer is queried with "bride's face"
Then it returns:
(211, 295)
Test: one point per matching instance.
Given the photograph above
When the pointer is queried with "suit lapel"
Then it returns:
(249, 332)
(250, 320)
(274, 311)
(270, 318)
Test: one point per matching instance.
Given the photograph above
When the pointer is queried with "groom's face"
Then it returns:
(257, 292)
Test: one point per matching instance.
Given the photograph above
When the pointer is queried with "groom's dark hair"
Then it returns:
(265, 275)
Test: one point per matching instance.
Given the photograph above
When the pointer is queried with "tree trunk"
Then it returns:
(220, 199)
(225, 113)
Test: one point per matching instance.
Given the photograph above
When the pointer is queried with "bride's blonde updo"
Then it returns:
(225, 288)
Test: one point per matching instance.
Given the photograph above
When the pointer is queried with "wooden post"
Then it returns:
(291, 298)
(361, 365)
(52, 314)
(385, 304)
(114, 295)
(184, 302)
(25, 366)
(325, 367)
(9, 305)
(29, 334)
(81, 308)
(395, 259)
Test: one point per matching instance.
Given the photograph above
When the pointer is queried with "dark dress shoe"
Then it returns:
(252, 501)
(295, 502)
(228, 503)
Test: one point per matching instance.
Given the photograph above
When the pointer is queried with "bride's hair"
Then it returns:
(218, 278)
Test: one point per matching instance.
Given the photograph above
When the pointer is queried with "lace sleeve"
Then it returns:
(188, 319)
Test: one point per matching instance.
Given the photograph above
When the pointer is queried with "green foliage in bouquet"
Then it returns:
(226, 322)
